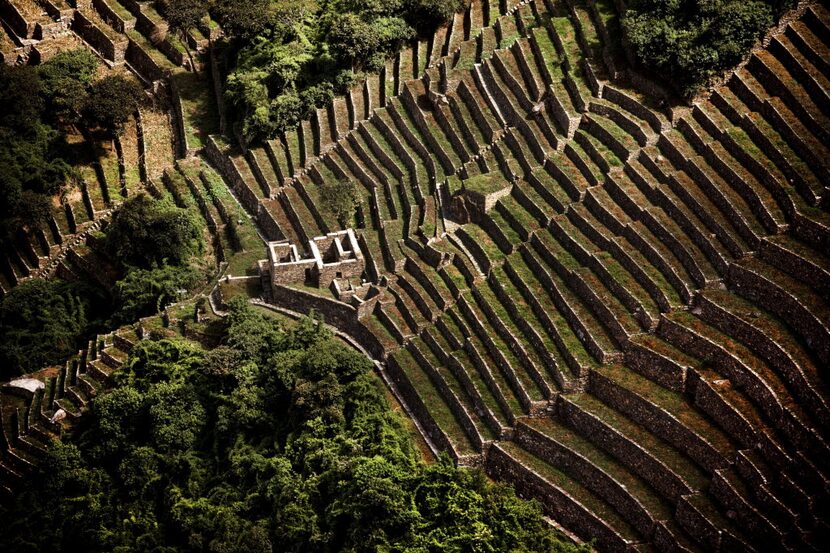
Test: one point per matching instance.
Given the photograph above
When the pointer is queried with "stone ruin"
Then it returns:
(332, 260)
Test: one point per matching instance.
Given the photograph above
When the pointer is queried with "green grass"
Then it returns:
(198, 107)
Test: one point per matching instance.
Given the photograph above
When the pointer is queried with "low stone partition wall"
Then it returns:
(143, 62)
(661, 477)
(500, 465)
(229, 172)
(184, 146)
(335, 313)
(658, 421)
(112, 17)
(584, 471)
(14, 19)
(757, 288)
(655, 366)
(95, 37)
(416, 406)
(218, 89)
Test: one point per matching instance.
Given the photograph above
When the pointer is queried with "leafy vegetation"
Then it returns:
(148, 233)
(279, 440)
(290, 57)
(153, 245)
(340, 198)
(690, 42)
(40, 105)
(111, 101)
(43, 322)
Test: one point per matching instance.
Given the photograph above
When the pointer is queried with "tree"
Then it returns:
(351, 38)
(691, 42)
(183, 16)
(148, 233)
(31, 162)
(144, 292)
(424, 14)
(42, 323)
(111, 102)
(65, 80)
(245, 18)
(340, 198)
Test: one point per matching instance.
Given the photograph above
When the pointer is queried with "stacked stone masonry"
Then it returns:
(632, 328)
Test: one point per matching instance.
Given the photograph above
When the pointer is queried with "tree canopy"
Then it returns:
(148, 233)
(691, 42)
(280, 439)
(111, 101)
(42, 323)
(291, 56)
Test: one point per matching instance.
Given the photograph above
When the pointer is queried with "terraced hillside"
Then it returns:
(110, 170)
(635, 334)
(636, 331)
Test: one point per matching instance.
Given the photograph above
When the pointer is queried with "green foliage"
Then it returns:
(426, 14)
(32, 166)
(279, 440)
(147, 233)
(290, 56)
(42, 323)
(143, 292)
(691, 42)
(66, 79)
(111, 102)
(340, 198)
(184, 15)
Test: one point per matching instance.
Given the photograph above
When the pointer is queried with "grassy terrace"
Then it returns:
(501, 343)
(671, 402)
(439, 410)
(454, 385)
(561, 481)
(654, 446)
(492, 301)
(636, 486)
(566, 334)
(198, 107)
(480, 237)
(243, 261)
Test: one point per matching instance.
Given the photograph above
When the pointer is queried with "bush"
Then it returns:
(145, 292)
(147, 233)
(43, 323)
(111, 102)
(692, 42)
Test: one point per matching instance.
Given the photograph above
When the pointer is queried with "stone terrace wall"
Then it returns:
(87, 30)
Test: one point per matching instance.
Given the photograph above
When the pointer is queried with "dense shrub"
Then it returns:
(148, 233)
(45, 322)
(689, 42)
(279, 440)
(290, 57)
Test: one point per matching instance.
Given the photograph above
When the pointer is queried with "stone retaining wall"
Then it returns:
(87, 30)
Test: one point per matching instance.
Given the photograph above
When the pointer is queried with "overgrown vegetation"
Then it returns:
(39, 106)
(154, 243)
(690, 42)
(291, 56)
(153, 246)
(279, 440)
(44, 322)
